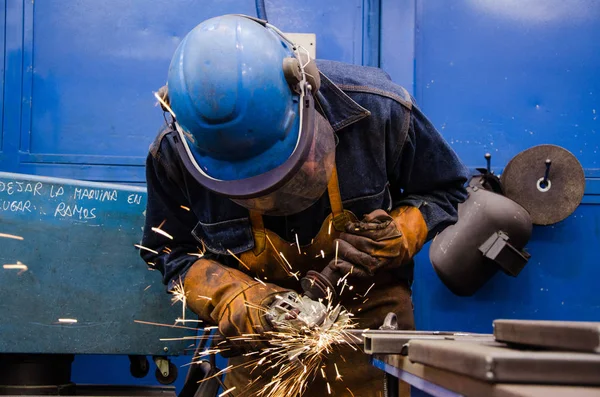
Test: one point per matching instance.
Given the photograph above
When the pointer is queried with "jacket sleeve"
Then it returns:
(167, 210)
(217, 293)
(428, 174)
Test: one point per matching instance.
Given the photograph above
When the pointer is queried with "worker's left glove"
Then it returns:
(380, 241)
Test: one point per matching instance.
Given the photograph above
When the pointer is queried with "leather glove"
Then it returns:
(380, 241)
(236, 302)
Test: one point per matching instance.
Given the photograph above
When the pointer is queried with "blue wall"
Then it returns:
(493, 76)
(79, 77)
(500, 77)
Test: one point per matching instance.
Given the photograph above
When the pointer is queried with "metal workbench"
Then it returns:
(441, 383)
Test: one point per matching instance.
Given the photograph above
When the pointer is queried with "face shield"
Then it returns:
(309, 182)
(288, 188)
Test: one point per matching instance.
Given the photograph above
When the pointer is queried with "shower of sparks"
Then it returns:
(185, 208)
(227, 391)
(145, 289)
(204, 297)
(281, 263)
(350, 391)
(298, 354)
(260, 281)
(343, 279)
(16, 266)
(295, 354)
(194, 337)
(145, 248)
(5, 235)
(298, 244)
(201, 251)
(165, 105)
(179, 296)
(238, 259)
(67, 320)
(372, 285)
(337, 372)
(323, 254)
(164, 325)
(160, 231)
(183, 320)
(284, 258)
(343, 286)
(329, 228)
(337, 246)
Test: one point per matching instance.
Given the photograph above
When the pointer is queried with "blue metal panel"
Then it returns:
(337, 24)
(371, 32)
(499, 77)
(398, 41)
(558, 283)
(11, 106)
(502, 76)
(114, 370)
(2, 51)
(78, 244)
(82, 74)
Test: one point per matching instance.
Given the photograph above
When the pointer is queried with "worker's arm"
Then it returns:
(427, 184)
(427, 174)
(217, 293)
(168, 210)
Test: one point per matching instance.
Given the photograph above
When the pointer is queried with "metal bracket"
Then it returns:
(498, 249)
(162, 364)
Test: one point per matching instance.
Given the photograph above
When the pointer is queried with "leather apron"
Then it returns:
(283, 263)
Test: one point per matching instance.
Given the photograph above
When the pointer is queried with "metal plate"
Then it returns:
(495, 363)
(562, 335)
(522, 181)
(394, 342)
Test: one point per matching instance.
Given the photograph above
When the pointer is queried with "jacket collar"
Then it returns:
(339, 109)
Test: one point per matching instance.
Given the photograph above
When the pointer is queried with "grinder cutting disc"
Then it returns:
(547, 200)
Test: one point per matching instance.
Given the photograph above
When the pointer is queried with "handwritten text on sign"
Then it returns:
(21, 196)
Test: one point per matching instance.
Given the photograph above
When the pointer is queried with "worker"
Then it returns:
(269, 154)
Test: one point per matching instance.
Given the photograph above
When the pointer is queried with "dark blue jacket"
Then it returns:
(388, 154)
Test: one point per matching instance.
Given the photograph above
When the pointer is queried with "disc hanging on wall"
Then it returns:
(547, 180)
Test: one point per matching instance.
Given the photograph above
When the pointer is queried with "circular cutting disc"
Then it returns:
(547, 202)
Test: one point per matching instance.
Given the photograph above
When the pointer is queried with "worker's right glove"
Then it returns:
(234, 301)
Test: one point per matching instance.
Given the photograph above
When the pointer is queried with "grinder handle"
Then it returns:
(316, 285)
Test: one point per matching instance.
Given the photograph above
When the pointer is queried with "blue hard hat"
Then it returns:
(227, 88)
(242, 97)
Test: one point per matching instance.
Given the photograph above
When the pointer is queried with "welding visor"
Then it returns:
(292, 186)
